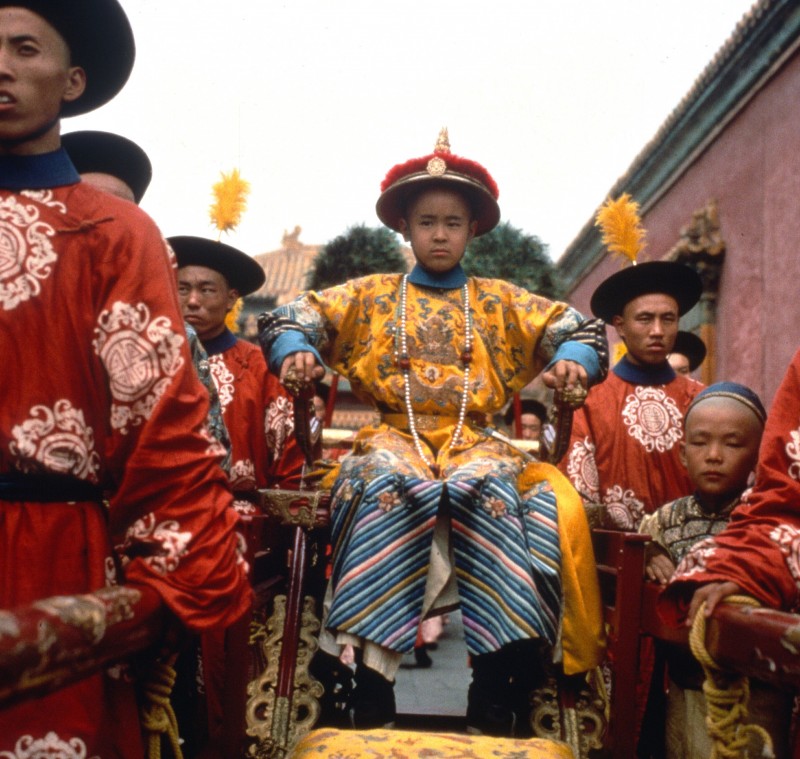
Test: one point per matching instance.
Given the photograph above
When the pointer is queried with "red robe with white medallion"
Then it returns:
(624, 450)
(98, 385)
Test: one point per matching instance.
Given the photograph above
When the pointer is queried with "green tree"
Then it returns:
(359, 251)
(508, 253)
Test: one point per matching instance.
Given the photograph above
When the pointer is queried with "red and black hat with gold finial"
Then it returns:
(439, 169)
(624, 235)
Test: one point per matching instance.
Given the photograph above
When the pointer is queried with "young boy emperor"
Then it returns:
(429, 512)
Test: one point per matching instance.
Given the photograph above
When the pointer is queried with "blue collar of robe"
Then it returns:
(37, 172)
(219, 344)
(662, 374)
(448, 280)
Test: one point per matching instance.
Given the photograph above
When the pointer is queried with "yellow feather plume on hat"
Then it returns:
(620, 349)
(230, 201)
(232, 317)
(621, 226)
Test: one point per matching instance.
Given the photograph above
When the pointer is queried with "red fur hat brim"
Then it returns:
(465, 176)
(455, 164)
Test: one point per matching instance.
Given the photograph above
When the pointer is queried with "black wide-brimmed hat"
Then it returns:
(108, 153)
(242, 272)
(439, 169)
(100, 41)
(527, 406)
(690, 345)
(665, 277)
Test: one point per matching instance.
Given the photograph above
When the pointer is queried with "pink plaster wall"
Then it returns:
(753, 171)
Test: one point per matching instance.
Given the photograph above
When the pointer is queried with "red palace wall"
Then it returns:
(752, 170)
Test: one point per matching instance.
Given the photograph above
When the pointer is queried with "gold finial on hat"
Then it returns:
(437, 166)
(442, 142)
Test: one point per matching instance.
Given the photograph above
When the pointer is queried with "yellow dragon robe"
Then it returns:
(519, 544)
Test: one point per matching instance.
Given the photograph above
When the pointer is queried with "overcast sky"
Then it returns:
(314, 100)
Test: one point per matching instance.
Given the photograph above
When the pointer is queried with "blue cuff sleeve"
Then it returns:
(291, 341)
(581, 354)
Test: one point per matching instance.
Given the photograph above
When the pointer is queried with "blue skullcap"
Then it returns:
(733, 390)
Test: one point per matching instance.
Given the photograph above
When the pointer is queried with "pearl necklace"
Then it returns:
(404, 362)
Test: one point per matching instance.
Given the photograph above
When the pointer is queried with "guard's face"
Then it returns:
(648, 326)
(679, 363)
(531, 426)
(439, 226)
(205, 299)
(35, 80)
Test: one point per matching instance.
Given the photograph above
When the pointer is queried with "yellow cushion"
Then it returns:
(402, 744)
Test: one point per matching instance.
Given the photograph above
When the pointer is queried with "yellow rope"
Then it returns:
(727, 696)
(158, 717)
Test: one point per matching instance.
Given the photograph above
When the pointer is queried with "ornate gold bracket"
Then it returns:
(577, 718)
(702, 247)
(296, 508)
(277, 723)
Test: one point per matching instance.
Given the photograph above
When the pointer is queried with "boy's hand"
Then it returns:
(565, 375)
(712, 594)
(659, 566)
(306, 366)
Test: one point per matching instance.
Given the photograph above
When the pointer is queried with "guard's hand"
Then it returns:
(712, 594)
(565, 375)
(306, 366)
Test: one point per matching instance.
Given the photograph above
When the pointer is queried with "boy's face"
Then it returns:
(648, 326)
(720, 448)
(205, 299)
(35, 80)
(439, 226)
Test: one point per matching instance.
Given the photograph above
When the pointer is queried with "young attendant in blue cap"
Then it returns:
(430, 512)
(108, 478)
(758, 552)
(724, 425)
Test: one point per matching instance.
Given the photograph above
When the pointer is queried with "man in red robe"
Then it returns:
(257, 410)
(107, 472)
(624, 448)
